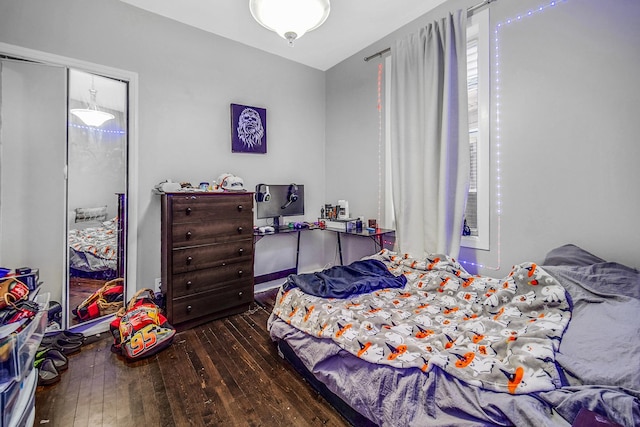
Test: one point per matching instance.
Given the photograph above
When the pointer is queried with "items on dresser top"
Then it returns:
(207, 255)
(225, 182)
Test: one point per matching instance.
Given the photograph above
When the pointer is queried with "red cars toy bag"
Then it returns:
(141, 330)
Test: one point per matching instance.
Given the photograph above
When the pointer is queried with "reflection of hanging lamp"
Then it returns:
(92, 116)
(291, 19)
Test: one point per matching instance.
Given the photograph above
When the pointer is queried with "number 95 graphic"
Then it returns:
(143, 339)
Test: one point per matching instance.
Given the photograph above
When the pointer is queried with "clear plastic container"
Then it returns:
(18, 349)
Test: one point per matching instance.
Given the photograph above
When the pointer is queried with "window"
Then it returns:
(476, 234)
(477, 209)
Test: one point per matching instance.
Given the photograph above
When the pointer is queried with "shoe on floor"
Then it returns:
(59, 360)
(47, 373)
(66, 347)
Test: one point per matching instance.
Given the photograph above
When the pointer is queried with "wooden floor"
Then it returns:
(224, 373)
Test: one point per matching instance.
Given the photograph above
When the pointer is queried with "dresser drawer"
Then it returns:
(208, 256)
(220, 230)
(210, 279)
(199, 305)
(211, 207)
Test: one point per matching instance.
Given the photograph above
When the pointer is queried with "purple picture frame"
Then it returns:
(248, 129)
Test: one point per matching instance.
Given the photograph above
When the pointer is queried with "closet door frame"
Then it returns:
(132, 156)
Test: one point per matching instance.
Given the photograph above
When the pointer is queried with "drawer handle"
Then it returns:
(240, 251)
(189, 259)
(240, 294)
(240, 207)
(188, 235)
(187, 211)
(189, 284)
(239, 230)
(189, 309)
(240, 272)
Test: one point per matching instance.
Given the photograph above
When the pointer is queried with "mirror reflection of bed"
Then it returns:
(96, 260)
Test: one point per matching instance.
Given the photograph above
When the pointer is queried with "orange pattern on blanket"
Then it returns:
(514, 379)
(423, 333)
(477, 338)
(363, 348)
(464, 361)
(284, 296)
(433, 263)
(343, 329)
(309, 311)
(396, 351)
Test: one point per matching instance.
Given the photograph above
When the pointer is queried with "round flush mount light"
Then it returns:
(291, 19)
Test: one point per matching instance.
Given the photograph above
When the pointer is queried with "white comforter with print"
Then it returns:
(501, 335)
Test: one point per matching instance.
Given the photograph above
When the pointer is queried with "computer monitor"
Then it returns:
(274, 201)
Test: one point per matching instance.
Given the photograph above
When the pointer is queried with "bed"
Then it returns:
(396, 341)
(95, 242)
(93, 250)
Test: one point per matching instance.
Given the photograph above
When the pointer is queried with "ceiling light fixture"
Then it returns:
(92, 116)
(291, 19)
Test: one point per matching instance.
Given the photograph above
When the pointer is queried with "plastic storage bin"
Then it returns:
(17, 400)
(19, 348)
(18, 377)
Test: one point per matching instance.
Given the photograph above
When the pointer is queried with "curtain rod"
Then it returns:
(470, 10)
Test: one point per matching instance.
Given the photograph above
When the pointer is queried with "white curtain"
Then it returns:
(429, 137)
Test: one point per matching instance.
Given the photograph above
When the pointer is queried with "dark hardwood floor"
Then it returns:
(223, 373)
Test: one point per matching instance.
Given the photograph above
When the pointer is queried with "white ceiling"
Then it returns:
(352, 25)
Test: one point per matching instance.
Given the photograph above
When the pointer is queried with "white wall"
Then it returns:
(569, 145)
(187, 80)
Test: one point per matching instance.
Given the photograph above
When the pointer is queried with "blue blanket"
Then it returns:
(343, 281)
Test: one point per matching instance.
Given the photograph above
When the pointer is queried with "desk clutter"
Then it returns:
(291, 226)
(336, 217)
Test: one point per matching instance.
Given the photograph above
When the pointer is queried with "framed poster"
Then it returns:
(248, 129)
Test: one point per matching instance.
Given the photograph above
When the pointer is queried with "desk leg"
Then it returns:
(297, 252)
(339, 247)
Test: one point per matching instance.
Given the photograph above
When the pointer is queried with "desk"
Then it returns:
(257, 236)
(377, 236)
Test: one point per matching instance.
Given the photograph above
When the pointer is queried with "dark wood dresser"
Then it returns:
(207, 256)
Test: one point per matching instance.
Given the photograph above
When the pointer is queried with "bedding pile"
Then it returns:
(596, 357)
(500, 335)
(94, 248)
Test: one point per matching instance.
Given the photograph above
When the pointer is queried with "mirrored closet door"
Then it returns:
(96, 195)
(33, 99)
(64, 183)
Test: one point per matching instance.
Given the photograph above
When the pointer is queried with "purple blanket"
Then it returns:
(343, 281)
